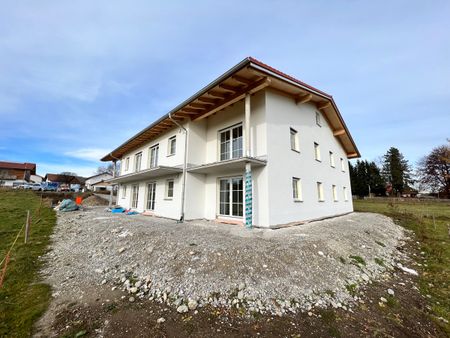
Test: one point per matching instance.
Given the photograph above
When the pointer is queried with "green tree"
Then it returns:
(365, 177)
(396, 170)
(434, 170)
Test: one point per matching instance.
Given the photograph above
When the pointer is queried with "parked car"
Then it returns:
(22, 186)
(49, 186)
(35, 186)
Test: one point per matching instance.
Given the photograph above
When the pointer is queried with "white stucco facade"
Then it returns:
(273, 163)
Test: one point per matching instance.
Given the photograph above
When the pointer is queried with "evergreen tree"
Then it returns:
(396, 170)
(365, 177)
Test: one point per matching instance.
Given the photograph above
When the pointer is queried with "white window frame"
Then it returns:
(295, 146)
(335, 194)
(153, 160)
(127, 163)
(342, 165)
(231, 140)
(344, 189)
(167, 197)
(124, 191)
(136, 156)
(150, 202)
(231, 200)
(318, 119)
(317, 152)
(170, 151)
(332, 164)
(320, 195)
(297, 193)
(134, 196)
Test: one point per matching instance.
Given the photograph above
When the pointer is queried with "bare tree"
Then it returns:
(434, 170)
(108, 169)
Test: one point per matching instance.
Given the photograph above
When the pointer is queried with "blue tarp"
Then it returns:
(68, 205)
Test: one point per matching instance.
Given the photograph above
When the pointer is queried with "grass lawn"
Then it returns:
(430, 221)
(23, 298)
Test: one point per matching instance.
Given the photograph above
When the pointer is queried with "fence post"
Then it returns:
(27, 226)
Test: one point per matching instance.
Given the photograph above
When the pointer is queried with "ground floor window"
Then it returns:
(151, 194)
(296, 189)
(169, 189)
(124, 191)
(134, 196)
(231, 191)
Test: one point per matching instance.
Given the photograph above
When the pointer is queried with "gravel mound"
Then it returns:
(94, 201)
(189, 265)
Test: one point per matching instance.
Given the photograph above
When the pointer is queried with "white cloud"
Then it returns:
(88, 154)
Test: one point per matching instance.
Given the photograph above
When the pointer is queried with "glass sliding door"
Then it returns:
(151, 194)
(134, 196)
(231, 196)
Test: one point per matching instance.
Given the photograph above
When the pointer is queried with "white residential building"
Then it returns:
(98, 182)
(255, 146)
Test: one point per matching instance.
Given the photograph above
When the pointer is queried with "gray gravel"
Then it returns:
(199, 262)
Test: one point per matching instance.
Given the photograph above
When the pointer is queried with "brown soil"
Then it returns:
(94, 201)
(404, 315)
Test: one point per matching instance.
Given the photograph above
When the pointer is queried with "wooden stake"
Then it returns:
(27, 226)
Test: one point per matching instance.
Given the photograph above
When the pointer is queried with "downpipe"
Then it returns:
(183, 186)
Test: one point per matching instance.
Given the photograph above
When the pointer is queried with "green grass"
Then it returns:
(358, 260)
(430, 221)
(23, 298)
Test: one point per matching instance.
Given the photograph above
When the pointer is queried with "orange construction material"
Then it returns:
(78, 200)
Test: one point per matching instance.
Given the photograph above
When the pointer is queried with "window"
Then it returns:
(342, 164)
(345, 194)
(169, 189)
(154, 156)
(335, 196)
(297, 189)
(294, 140)
(124, 191)
(320, 191)
(134, 196)
(172, 147)
(318, 120)
(231, 197)
(151, 193)
(137, 161)
(127, 164)
(332, 159)
(316, 151)
(231, 143)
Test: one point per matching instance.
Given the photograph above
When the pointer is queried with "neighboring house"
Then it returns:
(36, 179)
(262, 149)
(97, 182)
(12, 173)
(65, 182)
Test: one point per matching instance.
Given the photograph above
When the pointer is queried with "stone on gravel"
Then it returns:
(122, 249)
(160, 320)
(390, 291)
(131, 299)
(384, 300)
(182, 309)
(192, 304)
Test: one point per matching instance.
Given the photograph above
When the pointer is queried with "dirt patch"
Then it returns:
(94, 201)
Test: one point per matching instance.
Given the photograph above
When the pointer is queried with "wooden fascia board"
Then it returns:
(258, 85)
(303, 98)
(339, 132)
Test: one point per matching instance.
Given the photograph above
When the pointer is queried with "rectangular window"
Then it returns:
(134, 196)
(137, 162)
(169, 189)
(297, 189)
(172, 147)
(124, 191)
(342, 164)
(154, 156)
(345, 194)
(127, 164)
(231, 196)
(316, 151)
(294, 140)
(320, 192)
(335, 196)
(332, 159)
(231, 143)
(151, 193)
(318, 120)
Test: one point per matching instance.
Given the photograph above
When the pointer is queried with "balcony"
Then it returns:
(227, 166)
(147, 174)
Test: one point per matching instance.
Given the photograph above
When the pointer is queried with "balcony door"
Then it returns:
(231, 143)
(151, 194)
(231, 191)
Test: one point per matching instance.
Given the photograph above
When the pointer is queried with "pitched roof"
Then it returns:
(15, 165)
(247, 77)
(65, 178)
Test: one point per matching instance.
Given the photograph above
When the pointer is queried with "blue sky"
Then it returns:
(78, 78)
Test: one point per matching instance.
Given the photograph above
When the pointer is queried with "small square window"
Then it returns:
(172, 147)
(318, 119)
(332, 159)
(320, 192)
(316, 151)
(297, 189)
(294, 140)
(169, 189)
(335, 196)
